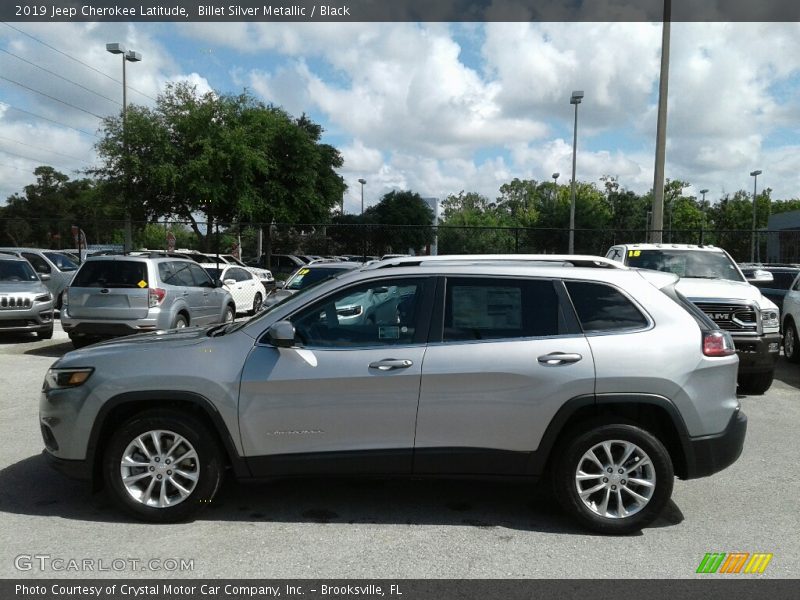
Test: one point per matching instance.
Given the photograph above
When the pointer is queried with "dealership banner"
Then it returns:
(401, 10)
(397, 589)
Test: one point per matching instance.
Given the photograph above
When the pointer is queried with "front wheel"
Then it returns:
(47, 334)
(791, 350)
(613, 479)
(756, 383)
(229, 315)
(162, 466)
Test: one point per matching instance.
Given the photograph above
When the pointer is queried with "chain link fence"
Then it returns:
(250, 241)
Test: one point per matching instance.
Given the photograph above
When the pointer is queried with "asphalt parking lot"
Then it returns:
(393, 529)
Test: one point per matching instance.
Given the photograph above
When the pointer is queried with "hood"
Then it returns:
(22, 287)
(277, 296)
(721, 289)
(176, 338)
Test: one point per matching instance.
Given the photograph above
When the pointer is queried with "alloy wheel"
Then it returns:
(159, 469)
(615, 479)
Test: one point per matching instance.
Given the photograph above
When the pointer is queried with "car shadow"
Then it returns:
(51, 350)
(788, 373)
(32, 487)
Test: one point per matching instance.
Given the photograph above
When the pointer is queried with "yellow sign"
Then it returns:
(142, 284)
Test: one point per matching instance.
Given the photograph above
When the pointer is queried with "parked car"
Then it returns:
(244, 286)
(281, 265)
(114, 296)
(607, 379)
(791, 322)
(59, 266)
(782, 278)
(307, 276)
(713, 281)
(26, 305)
(263, 275)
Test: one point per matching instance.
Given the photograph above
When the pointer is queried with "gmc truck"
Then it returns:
(711, 279)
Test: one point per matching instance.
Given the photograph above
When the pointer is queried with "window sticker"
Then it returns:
(389, 332)
(142, 284)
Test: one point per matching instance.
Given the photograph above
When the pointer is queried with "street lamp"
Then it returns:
(574, 99)
(555, 177)
(754, 175)
(703, 208)
(127, 55)
(362, 181)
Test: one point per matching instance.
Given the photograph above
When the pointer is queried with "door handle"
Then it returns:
(389, 364)
(555, 359)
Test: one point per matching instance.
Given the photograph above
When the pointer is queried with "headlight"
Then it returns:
(43, 298)
(769, 318)
(57, 379)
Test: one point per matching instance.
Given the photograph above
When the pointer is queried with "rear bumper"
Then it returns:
(713, 453)
(758, 354)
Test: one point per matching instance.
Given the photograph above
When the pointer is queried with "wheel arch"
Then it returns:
(124, 406)
(651, 412)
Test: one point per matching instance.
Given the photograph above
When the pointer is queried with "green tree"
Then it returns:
(402, 220)
(473, 225)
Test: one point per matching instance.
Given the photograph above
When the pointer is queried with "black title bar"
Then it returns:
(401, 10)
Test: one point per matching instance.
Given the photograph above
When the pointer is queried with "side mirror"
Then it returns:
(759, 276)
(218, 283)
(229, 282)
(44, 277)
(281, 334)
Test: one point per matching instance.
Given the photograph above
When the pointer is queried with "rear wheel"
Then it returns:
(180, 322)
(257, 302)
(162, 466)
(791, 350)
(756, 383)
(613, 478)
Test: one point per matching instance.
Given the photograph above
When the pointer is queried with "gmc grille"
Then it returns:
(15, 302)
(736, 318)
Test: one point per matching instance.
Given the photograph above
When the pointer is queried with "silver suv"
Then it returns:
(114, 296)
(26, 305)
(605, 378)
(57, 266)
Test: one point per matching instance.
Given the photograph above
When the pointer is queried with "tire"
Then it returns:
(257, 302)
(81, 341)
(643, 500)
(182, 496)
(229, 315)
(180, 322)
(756, 383)
(791, 347)
(47, 334)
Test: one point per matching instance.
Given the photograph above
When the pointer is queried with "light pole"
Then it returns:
(657, 224)
(574, 99)
(362, 181)
(754, 175)
(555, 177)
(127, 55)
(703, 208)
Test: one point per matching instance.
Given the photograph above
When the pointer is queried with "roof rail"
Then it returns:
(574, 260)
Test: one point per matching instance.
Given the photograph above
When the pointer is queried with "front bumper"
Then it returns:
(758, 354)
(27, 321)
(712, 453)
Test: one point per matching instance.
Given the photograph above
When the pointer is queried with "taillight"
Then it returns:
(718, 343)
(156, 296)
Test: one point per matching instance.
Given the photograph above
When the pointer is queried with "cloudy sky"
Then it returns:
(435, 108)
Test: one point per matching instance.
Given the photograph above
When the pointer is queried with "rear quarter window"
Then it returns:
(603, 308)
(111, 274)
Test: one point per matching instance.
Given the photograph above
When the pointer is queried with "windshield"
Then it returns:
(62, 261)
(306, 277)
(686, 263)
(16, 271)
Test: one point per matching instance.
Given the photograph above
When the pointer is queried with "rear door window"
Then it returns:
(490, 309)
(112, 274)
(200, 277)
(602, 308)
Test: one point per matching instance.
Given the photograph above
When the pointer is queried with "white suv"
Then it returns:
(713, 281)
(791, 318)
